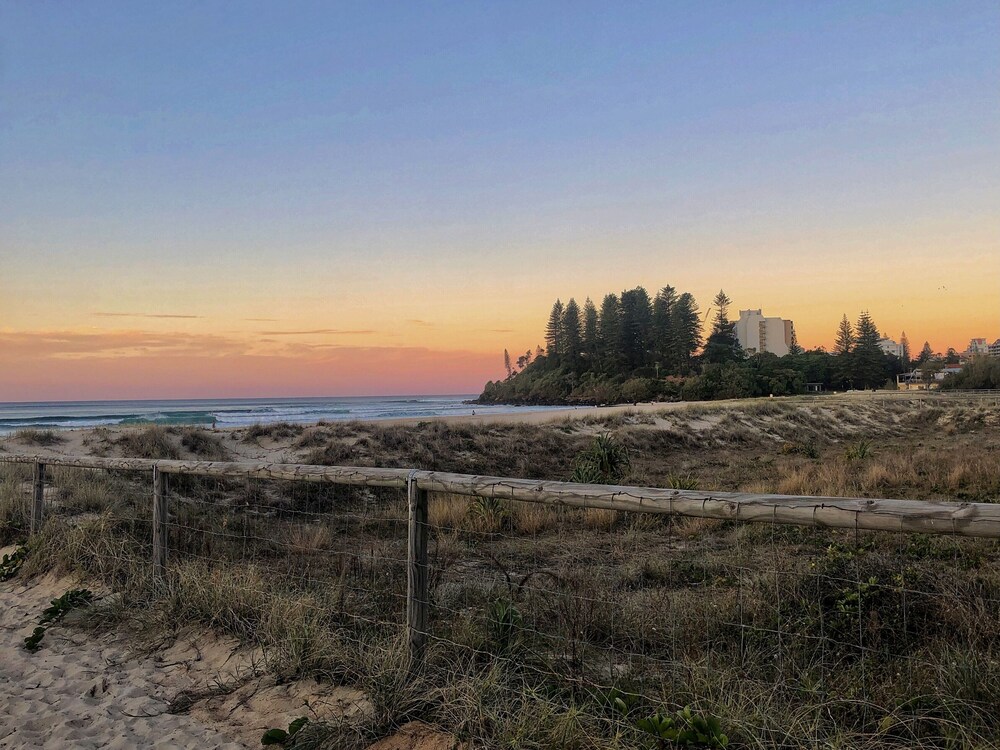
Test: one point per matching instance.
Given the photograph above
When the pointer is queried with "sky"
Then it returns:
(214, 199)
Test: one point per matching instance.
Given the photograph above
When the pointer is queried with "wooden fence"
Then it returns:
(910, 516)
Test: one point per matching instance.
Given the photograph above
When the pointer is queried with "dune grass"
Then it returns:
(790, 637)
(39, 438)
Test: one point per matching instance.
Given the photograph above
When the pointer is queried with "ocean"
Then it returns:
(238, 412)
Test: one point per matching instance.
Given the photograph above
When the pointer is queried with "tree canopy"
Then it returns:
(637, 346)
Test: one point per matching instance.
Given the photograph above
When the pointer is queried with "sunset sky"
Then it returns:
(213, 199)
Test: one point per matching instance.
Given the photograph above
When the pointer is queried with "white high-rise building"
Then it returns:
(889, 346)
(978, 346)
(758, 334)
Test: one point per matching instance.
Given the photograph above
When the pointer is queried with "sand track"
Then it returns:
(82, 692)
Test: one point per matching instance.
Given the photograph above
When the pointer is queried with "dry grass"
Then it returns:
(792, 637)
(40, 438)
(148, 442)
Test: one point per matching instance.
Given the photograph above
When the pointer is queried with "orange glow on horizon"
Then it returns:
(119, 332)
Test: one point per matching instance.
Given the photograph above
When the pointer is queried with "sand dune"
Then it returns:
(82, 692)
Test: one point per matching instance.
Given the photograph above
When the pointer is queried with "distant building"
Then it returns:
(889, 346)
(758, 334)
(978, 346)
(994, 349)
(919, 380)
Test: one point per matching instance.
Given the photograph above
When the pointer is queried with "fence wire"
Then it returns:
(564, 627)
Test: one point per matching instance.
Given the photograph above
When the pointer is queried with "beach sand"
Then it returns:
(78, 442)
(111, 690)
(82, 692)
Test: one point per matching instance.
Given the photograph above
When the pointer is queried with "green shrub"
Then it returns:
(606, 461)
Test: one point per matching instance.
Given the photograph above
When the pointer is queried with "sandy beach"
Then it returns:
(81, 692)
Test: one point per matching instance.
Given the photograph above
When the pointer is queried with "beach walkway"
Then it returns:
(82, 691)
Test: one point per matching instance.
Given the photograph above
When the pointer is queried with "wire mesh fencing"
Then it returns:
(566, 626)
(316, 571)
(788, 636)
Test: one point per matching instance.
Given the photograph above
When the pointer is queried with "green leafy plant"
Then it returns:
(505, 624)
(33, 641)
(55, 612)
(282, 736)
(809, 450)
(11, 564)
(60, 607)
(492, 511)
(617, 701)
(606, 461)
(860, 450)
(684, 729)
(681, 482)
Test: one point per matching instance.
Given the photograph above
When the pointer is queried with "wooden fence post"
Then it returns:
(159, 525)
(38, 498)
(417, 589)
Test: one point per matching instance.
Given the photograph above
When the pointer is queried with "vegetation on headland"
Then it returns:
(642, 348)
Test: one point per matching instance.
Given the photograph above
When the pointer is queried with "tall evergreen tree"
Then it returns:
(636, 327)
(609, 333)
(845, 337)
(664, 336)
(926, 354)
(687, 329)
(553, 333)
(722, 345)
(590, 332)
(904, 344)
(793, 346)
(870, 367)
(507, 365)
(572, 338)
(721, 319)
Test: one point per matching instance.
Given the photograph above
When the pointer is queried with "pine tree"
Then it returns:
(845, 338)
(590, 332)
(687, 330)
(553, 333)
(793, 346)
(843, 349)
(721, 320)
(870, 367)
(664, 336)
(636, 327)
(722, 345)
(904, 344)
(926, 354)
(507, 365)
(572, 340)
(609, 333)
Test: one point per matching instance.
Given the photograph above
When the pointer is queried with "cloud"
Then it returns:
(261, 320)
(113, 344)
(418, 322)
(71, 365)
(146, 315)
(319, 332)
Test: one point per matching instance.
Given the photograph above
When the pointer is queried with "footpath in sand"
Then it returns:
(82, 690)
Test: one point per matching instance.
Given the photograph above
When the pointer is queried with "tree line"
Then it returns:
(637, 347)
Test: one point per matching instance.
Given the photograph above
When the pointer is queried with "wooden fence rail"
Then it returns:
(929, 517)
